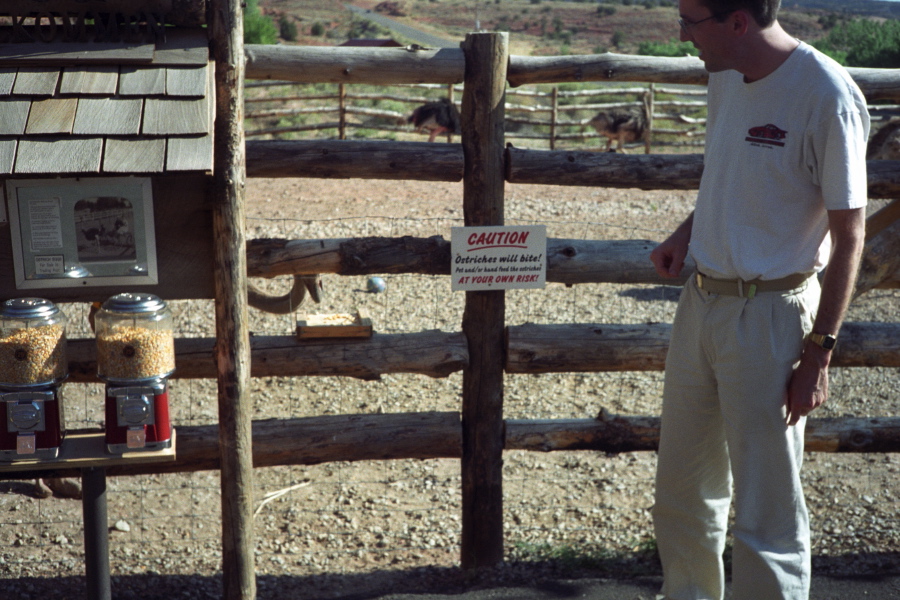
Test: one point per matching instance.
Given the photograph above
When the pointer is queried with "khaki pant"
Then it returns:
(723, 426)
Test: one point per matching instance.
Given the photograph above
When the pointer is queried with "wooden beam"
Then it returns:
(569, 261)
(427, 435)
(339, 159)
(880, 220)
(232, 332)
(482, 115)
(608, 66)
(579, 347)
(880, 259)
(422, 161)
(390, 66)
(378, 66)
(590, 348)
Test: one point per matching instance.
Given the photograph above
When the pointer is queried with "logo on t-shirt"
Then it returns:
(766, 134)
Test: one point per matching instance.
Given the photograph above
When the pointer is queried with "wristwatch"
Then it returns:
(826, 340)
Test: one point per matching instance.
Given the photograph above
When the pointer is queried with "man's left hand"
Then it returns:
(808, 388)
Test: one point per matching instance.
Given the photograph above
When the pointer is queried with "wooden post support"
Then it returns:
(650, 106)
(232, 333)
(342, 112)
(450, 98)
(482, 114)
(554, 116)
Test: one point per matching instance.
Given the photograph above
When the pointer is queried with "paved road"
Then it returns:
(411, 33)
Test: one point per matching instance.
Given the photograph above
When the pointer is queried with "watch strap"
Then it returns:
(825, 340)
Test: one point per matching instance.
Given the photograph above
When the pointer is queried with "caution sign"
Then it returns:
(498, 258)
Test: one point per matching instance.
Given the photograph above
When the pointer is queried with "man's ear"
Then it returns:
(740, 22)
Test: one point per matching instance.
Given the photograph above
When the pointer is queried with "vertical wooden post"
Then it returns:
(554, 115)
(450, 98)
(649, 106)
(482, 115)
(342, 112)
(232, 334)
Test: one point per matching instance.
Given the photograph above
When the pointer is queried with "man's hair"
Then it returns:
(764, 12)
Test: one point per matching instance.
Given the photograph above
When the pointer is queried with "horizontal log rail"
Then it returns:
(429, 435)
(569, 261)
(342, 64)
(597, 347)
(388, 66)
(340, 159)
(431, 353)
(530, 348)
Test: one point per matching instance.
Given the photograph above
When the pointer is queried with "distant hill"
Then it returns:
(874, 8)
(537, 27)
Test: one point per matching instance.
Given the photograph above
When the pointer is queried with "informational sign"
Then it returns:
(498, 258)
(82, 232)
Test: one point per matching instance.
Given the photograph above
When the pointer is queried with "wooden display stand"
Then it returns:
(87, 451)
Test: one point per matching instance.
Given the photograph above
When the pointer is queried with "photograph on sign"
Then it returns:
(498, 258)
(75, 232)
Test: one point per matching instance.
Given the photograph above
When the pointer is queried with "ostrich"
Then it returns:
(94, 234)
(436, 118)
(620, 124)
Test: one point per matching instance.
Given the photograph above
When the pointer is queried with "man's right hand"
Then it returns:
(669, 256)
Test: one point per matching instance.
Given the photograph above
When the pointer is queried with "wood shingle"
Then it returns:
(107, 109)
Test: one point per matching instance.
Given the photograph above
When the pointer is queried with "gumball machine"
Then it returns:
(33, 366)
(135, 357)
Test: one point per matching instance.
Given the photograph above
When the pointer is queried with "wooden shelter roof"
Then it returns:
(107, 108)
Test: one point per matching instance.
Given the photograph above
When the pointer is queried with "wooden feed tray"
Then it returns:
(82, 449)
(337, 325)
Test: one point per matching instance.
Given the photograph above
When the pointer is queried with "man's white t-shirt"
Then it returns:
(779, 153)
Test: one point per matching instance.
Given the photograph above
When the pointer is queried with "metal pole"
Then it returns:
(96, 533)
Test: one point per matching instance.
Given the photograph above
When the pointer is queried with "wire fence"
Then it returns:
(537, 117)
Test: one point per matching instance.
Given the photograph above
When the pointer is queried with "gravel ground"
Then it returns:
(391, 529)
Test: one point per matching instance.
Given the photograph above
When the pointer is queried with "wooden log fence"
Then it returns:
(486, 348)
(232, 350)
(528, 349)
(428, 435)
(548, 116)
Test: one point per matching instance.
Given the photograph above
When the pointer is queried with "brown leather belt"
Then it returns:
(748, 289)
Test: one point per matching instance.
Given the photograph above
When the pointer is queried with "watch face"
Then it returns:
(828, 342)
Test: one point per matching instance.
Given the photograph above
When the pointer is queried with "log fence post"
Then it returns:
(232, 353)
(342, 112)
(554, 116)
(483, 100)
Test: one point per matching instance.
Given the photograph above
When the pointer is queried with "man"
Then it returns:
(783, 193)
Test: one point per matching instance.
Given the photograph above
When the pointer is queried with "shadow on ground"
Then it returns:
(876, 577)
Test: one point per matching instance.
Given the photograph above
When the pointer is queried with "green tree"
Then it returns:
(864, 43)
(258, 28)
(670, 48)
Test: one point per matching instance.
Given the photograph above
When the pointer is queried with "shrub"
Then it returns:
(258, 28)
(287, 29)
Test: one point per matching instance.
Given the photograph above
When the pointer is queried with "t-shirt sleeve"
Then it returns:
(842, 169)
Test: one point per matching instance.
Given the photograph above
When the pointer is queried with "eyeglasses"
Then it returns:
(687, 25)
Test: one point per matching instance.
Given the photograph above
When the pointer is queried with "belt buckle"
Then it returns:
(699, 279)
